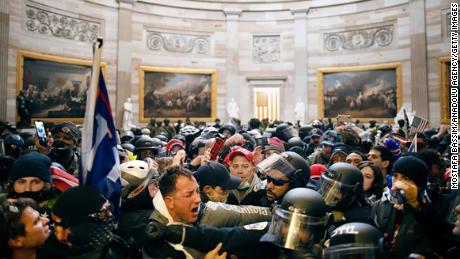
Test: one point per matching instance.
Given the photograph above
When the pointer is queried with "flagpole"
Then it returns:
(90, 107)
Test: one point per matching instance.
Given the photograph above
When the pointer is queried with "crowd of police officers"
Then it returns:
(261, 189)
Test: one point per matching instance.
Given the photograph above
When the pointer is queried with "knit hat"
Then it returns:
(74, 206)
(413, 168)
(69, 128)
(275, 144)
(32, 164)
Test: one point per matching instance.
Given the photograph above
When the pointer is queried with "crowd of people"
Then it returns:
(261, 189)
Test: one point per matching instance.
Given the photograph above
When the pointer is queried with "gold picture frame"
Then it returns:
(177, 93)
(54, 86)
(371, 92)
(444, 76)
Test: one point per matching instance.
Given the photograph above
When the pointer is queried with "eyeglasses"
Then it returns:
(276, 182)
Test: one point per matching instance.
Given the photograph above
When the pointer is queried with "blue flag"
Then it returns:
(100, 160)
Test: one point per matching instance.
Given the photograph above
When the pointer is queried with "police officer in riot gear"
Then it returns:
(285, 131)
(147, 147)
(297, 230)
(355, 240)
(342, 190)
(283, 172)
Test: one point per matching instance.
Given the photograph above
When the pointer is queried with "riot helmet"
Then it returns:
(295, 142)
(128, 146)
(197, 147)
(127, 136)
(13, 145)
(304, 131)
(146, 147)
(162, 137)
(227, 130)
(341, 185)
(355, 240)
(291, 164)
(299, 222)
(285, 131)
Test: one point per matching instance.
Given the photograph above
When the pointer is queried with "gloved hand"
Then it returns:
(171, 233)
(410, 190)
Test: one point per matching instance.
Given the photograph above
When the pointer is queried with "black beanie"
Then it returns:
(75, 205)
(32, 164)
(413, 168)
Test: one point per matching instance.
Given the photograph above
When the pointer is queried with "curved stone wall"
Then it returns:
(250, 43)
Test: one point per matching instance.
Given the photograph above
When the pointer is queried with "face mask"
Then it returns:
(61, 153)
(36, 196)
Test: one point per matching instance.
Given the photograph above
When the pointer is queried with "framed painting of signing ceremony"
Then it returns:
(54, 86)
(177, 93)
(363, 92)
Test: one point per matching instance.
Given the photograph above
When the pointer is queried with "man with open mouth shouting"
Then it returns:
(179, 202)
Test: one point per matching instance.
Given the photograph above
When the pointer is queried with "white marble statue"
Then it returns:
(299, 110)
(233, 109)
(128, 115)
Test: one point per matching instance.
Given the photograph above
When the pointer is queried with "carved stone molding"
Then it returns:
(182, 43)
(59, 25)
(266, 48)
(359, 39)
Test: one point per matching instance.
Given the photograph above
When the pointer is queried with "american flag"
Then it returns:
(418, 125)
(100, 161)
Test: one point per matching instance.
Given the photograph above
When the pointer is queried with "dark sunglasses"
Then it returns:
(276, 182)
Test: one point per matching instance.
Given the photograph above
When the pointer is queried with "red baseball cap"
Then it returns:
(316, 170)
(239, 151)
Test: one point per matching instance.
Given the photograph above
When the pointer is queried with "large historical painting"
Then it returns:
(364, 92)
(55, 87)
(444, 70)
(177, 93)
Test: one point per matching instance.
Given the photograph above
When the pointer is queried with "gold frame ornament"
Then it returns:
(61, 101)
(343, 96)
(444, 85)
(188, 96)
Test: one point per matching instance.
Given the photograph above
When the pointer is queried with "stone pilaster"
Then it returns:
(418, 58)
(232, 59)
(4, 36)
(300, 61)
(124, 64)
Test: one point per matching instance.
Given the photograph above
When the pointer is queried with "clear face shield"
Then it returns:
(333, 192)
(293, 230)
(352, 251)
(275, 162)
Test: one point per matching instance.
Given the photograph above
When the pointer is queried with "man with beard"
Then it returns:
(283, 172)
(63, 151)
(30, 177)
(215, 182)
